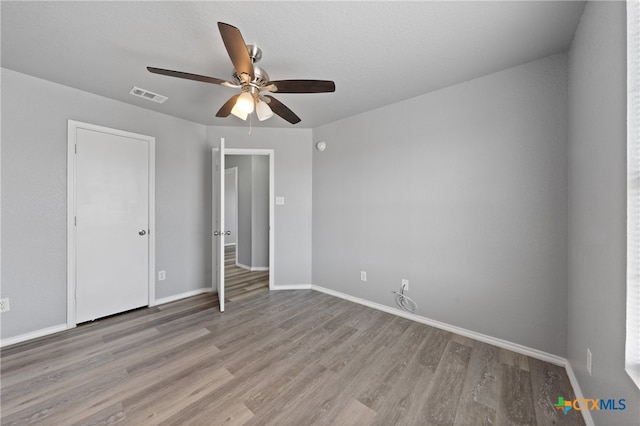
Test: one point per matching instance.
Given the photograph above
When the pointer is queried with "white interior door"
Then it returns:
(218, 221)
(112, 223)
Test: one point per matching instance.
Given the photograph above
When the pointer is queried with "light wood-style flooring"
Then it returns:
(274, 358)
(240, 282)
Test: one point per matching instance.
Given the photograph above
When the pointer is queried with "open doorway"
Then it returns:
(247, 216)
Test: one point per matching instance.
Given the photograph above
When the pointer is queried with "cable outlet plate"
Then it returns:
(405, 285)
(4, 305)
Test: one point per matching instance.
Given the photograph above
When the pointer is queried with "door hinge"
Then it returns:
(75, 220)
(75, 148)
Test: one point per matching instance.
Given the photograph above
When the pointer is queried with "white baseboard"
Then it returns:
(586, 414)
(181, 296)
(33, 335)
(515, 347)
(252, 268)
(62, 327)
(292, 287)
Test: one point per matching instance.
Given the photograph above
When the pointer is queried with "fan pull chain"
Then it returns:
(250, 128)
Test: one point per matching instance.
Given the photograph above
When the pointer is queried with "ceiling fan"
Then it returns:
(253, 81)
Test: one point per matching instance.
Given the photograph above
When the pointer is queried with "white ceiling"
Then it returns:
(377, 53)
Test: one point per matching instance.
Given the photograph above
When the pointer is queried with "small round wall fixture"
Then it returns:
(321, 146)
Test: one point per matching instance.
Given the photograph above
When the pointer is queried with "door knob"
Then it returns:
(142, 232)
(227, 233)
(216, 233)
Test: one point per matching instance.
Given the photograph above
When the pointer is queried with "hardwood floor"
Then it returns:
(274, 358)
(240, 282)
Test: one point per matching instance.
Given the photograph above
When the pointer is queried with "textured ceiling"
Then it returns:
(377, 53)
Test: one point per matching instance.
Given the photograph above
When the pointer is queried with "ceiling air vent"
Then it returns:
(145, 94)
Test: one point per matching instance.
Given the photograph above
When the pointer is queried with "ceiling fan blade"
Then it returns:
(303, 86)
(282, 110)
(227, 107)
(190, 76)
(237, 49)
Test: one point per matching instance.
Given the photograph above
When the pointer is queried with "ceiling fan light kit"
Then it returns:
(253, 81)
(263, 111)
(239, 113)
(245, 103)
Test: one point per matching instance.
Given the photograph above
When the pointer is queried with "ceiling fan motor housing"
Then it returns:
(260, 75)
(255, 53)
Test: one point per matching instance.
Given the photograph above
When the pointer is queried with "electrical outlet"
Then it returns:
(589, 361)
(405, 285)
(162, 275)
(4, 305)
(363, 275)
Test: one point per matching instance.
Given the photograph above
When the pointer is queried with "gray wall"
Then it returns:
(260, 211)
(34, 145)
(253, 208)
(34, 164)
(597, 209)
(231, 205)
(463, 192)
(292, 156)
(243, 247)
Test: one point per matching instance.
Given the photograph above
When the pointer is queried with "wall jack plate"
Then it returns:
(4, 305)
(405, 285)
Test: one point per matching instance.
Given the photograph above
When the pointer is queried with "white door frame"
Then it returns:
(72, 127)
(270, 153)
